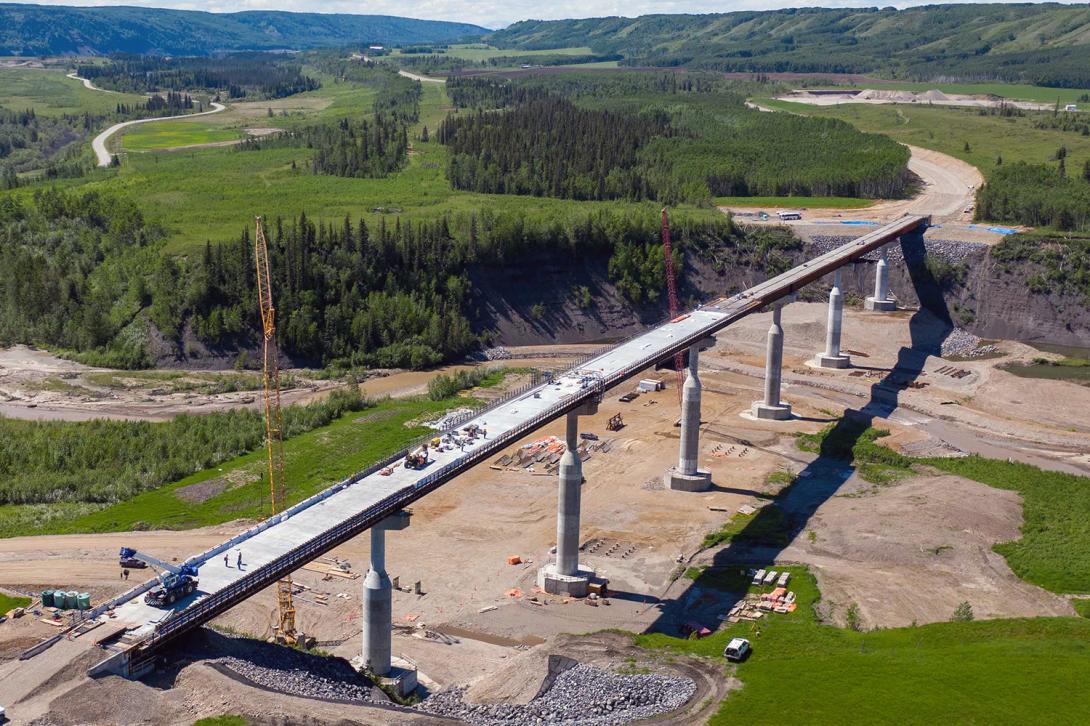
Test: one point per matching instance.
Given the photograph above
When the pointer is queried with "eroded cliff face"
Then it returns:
(536, 303)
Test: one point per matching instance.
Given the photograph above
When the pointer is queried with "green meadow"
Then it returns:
(795, 202)
(172, 134)
(981, 672)
(960, 132)
(51, 92)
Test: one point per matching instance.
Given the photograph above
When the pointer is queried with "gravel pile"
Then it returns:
(954, 251)
(961, 343)
(299, 674)
(581, 695)
(497, 354)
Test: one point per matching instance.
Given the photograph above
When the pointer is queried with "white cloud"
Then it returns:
(494, 14)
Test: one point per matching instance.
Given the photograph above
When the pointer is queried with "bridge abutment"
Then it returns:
(687, 476)
(566, 576)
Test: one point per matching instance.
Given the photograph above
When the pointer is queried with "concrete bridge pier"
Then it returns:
(378, 599)
(772, 408)
(566, 576)
(687, 476)
(832, 357)
(881, 301)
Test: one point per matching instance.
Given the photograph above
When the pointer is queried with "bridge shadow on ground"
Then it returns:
(777, 524)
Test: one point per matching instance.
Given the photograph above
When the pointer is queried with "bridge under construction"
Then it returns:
(375, 499)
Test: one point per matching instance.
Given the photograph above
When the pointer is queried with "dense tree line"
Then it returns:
(356, 146)
(1038, 195)
(241, 75)
(637, 136)
(104, 461)
(363, 148)
(30, 141)
(549, 147)
(85, 272)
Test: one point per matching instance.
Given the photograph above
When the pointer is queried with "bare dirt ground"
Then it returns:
(911, 551)
(35, 385)
(885, 96)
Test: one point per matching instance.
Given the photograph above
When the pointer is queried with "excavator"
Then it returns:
(175, 582)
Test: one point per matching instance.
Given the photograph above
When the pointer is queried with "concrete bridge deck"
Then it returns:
(285, 543)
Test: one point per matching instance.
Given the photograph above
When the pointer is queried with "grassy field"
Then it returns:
(795, 202)
(238, 489)
(50, 92)
(801, 671)
(949, 129)
(1054, 549)
(212, 193)
(1076, 370)
(10, 602)
(170, 134)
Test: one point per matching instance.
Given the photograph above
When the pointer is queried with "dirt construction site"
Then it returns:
(467, 610)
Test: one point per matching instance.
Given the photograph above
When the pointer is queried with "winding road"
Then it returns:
(99, 144)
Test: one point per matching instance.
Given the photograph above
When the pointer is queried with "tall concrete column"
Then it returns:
(832, 357)
(687, 475)
(378, 599)
(771, 407)
(881, 300)
(566, 576)
(568, 502)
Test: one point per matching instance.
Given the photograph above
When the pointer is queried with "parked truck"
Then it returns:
(175, 582)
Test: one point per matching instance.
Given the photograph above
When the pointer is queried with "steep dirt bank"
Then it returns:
(534, 303)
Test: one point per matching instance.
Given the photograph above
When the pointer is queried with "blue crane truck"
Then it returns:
(175, 582)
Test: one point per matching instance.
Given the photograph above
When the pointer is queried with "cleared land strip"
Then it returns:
(99, 144)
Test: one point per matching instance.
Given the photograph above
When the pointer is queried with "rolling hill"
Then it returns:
(1046, 44)
(54, 30)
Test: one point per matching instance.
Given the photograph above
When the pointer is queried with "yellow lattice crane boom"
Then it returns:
(274, 419)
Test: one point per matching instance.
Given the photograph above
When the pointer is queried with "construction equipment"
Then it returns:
(175, 582)
(274, 420)
(616, 423)
(671, 289)
(417, 459)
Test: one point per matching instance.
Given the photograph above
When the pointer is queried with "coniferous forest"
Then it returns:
(638, 137)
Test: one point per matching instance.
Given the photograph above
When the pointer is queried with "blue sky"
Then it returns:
(489, 13)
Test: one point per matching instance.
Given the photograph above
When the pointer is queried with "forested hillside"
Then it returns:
(640, 136)
(53, 30)
(85, 272)
(1046, 44)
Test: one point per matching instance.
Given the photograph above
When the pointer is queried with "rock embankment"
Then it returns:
(580, 696)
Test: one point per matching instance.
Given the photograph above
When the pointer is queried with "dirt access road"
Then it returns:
(948, 189)
(422, 79)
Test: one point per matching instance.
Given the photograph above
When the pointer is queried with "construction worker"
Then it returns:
(239, 559)
(125, 574)
(225, 563)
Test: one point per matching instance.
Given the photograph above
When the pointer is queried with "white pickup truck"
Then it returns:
(737, 649)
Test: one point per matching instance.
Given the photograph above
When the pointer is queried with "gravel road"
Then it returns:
(99, 144)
